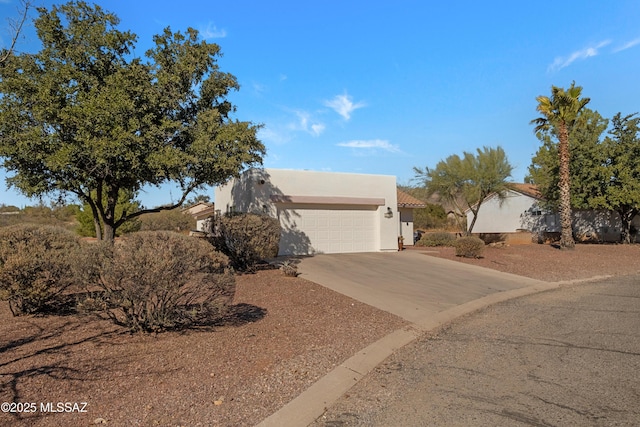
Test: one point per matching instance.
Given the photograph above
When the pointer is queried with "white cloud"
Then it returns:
(306, 124)
(627, 45)
(212, 32)
(317, 129)
(343, 105)
(371, 144)
(562, 62)
(259, 88)
(269, 134)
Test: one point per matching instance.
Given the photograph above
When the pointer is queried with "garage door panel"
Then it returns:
(329, 230)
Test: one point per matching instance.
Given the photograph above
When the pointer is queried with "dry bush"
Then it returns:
(161, 280)
(246, 238)
(35, 266)
(169, 220)
(469, 247)
(290, 268)
(439, 238)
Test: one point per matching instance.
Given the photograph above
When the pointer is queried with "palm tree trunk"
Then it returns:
(566, 238)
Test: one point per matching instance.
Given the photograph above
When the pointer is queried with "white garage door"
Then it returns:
(330, 230)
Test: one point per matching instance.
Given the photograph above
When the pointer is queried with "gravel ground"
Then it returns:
(281, 336)
(546, 262)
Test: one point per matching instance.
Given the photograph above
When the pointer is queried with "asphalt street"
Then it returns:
(565, 357)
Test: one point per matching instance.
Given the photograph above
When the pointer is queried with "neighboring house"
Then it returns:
(320, 212)
(198, 207)
(519, 210)
(406, 204)
(522, 210)
(201, 212)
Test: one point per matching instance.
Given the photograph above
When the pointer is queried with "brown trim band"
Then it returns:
(328, 200)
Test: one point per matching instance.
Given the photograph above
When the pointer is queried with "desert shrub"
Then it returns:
(160, 280)
(35, 266)
(246, 238)
(169, 220)
(290, 268)
(440, 238)
(469, 247)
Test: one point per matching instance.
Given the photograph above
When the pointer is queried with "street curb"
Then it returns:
(313, 402)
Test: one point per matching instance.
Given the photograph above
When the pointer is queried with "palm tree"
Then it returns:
(559, 113)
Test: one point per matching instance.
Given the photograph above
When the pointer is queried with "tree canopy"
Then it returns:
(85, 116)
(466, 181)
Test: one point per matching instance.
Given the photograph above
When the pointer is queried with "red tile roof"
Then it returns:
(408, 201)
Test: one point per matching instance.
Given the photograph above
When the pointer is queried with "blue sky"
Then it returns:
(380, 87)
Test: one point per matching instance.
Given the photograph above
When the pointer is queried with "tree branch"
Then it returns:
(16, 27)
(159, 208)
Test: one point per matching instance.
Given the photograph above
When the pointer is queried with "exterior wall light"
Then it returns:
(389, 213)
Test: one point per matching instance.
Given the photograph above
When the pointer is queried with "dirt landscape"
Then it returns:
(281, 335)
(548, 263)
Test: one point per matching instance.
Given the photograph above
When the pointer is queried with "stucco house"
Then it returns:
(201, 212)
(522, 210)
(321, 212)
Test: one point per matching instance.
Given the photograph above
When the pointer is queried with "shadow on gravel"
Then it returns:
(241, 314)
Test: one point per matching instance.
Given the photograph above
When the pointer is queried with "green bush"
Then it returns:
(469, 247)
(246, 238)
(154, 281)
(440, 238)
(35, 266)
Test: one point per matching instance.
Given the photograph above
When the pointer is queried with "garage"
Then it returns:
(319, 212)
(312, 229)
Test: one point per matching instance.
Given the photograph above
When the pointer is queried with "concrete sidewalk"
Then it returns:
(425, 290)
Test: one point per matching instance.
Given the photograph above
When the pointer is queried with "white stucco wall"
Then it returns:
(406, 225)
(276, 191)
(516, 211)
(521, 212)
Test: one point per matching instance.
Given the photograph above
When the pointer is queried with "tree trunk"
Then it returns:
(566, 238)
(626, 216)
(96, 224)
(109, 220)
(109, 233)
(473, 221)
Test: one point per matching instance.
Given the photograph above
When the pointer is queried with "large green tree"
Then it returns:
(465, 182)
(85, 116)
(586, 161)
(560, 112)
(620, 189)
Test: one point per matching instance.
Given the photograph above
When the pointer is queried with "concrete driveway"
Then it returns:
(409, 284)
(424, 290)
